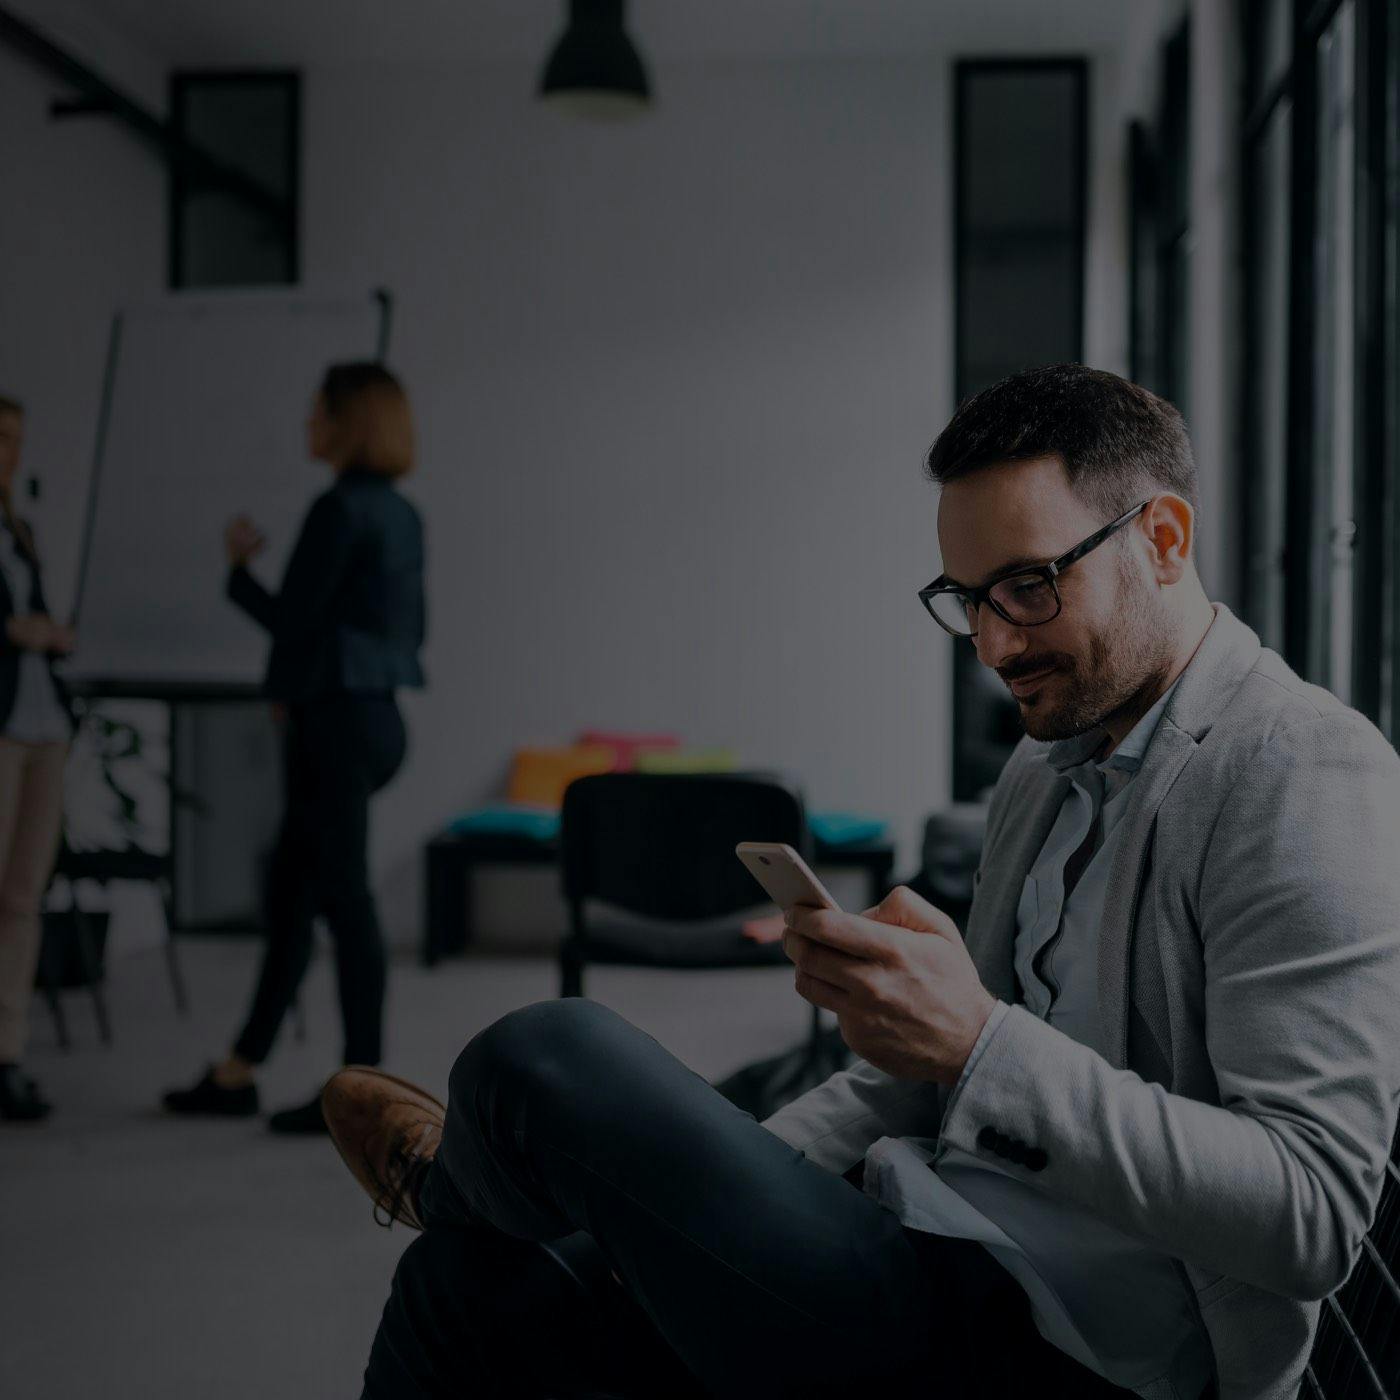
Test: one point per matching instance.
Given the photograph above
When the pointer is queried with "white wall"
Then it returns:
(674, 382)
(82, 229)
(675, 379)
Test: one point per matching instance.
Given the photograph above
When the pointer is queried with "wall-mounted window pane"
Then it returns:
(1143, 239)
(249, 123)
(1269, 36)
(1266, 424)
(1020, 219)
(1174, 224)
(1382, 158)
(1330, 660)
(1020, 161)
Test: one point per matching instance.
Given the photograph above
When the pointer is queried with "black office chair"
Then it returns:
(660, 847)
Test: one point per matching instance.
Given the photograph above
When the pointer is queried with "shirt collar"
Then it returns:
(1128, 756)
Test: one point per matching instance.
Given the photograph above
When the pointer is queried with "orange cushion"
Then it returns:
(541, 775)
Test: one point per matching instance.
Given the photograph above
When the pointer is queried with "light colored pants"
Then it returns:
(31, 817)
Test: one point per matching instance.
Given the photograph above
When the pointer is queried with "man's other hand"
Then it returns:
(904, 990)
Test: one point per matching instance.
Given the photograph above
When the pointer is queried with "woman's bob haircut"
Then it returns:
(372, 418)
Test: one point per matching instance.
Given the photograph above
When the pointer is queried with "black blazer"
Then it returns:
(349, 618)
(9, 653)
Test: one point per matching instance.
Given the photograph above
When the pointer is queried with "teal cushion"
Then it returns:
(845, 828)
(507, 819)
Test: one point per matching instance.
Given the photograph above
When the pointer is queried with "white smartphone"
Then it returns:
(786, 878)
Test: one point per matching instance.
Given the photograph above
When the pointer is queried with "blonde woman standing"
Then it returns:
(36, 726)
(346, 626)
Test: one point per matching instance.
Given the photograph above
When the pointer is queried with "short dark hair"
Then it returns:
(9, 405)
(1116, 439)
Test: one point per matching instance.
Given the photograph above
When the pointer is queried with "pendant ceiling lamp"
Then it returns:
(595, 70)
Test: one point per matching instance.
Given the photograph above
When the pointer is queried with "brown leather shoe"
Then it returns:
(386, 1131)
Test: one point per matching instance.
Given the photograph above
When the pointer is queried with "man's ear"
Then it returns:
(1169, 525)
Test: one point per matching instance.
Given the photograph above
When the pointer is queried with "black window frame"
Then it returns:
(1375, 465)
(1144, 308)
(1172, 211)
(968, 767)
(180, 186)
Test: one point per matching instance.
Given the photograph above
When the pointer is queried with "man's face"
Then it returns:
(1109, 641)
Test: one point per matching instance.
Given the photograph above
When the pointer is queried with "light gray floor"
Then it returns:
(151, 1258)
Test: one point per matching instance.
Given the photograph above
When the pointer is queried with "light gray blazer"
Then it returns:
(1249, 987)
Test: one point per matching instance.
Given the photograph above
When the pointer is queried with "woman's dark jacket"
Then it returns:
(10, 654)
(349, 617)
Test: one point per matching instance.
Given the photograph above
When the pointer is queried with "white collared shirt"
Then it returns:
(37, 715)
(1116, 1304)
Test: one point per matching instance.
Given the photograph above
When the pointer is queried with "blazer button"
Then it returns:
(1037, 1160)
(988, 1139)
(1017, 1152)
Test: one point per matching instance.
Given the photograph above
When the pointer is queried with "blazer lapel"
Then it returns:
(991, 932)
(1226, 655)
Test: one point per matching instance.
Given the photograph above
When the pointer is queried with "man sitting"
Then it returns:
(1123, 1137)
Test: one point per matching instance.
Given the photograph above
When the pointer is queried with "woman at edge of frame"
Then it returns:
(36, 728)
(346, 627)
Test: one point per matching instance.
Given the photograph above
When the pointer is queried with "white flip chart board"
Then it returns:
(206, 404)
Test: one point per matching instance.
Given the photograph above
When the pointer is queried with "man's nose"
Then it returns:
(997, 640)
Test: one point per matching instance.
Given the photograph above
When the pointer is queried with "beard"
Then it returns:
(1125, 660)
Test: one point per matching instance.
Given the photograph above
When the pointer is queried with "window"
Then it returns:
(1159, 234)
(1174, 225)
(1267, 218)
(1332, 513)
(1319, 483)
(1019, 141)
(250, 123)
(1143, 238)
(1379, 310)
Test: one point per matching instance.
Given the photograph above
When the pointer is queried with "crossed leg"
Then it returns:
(601, 1222)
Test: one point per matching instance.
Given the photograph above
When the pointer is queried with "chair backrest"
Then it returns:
(662, 845)
(1357, 1353)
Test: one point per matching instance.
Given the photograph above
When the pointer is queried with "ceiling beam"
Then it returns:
(95, 95)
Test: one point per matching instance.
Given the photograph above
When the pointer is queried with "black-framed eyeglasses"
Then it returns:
(1027, 597)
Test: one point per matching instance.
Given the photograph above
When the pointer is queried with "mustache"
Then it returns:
(1018, 670)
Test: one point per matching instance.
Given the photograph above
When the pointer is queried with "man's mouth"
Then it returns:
(1027, 682)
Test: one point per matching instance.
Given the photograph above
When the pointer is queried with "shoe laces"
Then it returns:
(404, 1170)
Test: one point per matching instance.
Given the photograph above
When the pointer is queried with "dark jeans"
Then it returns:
(336, 754)
(601, 1222)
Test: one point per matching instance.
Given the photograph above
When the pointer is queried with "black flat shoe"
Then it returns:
(20, 1099)
(306, 1119)
(208, 1099)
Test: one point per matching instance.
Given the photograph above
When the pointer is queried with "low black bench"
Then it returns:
(451, 859)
